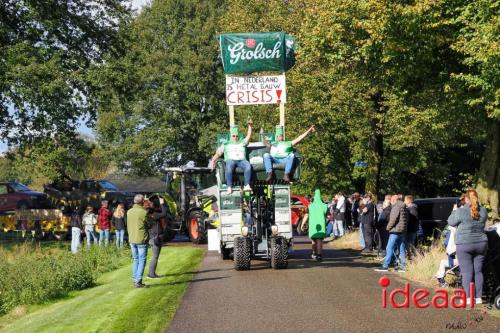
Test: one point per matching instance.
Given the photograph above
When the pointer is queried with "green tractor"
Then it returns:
(191, 198)
(257, 224)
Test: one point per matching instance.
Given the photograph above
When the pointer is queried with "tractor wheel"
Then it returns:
(279, 253)
(196, 228)
(242, 253)
(225, 253)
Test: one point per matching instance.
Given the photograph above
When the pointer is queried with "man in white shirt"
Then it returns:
(338, 226)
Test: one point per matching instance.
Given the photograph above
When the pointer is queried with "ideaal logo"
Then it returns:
(420, 297)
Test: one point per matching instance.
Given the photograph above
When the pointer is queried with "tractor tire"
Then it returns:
(242, 253)
(279, 253)
(196, 229)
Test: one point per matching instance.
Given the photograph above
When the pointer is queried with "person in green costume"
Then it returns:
(281, 152)
(235, 154)
(317, 219)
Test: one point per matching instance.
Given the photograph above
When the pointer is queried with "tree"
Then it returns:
(478, 39)
(158, 101)
(47, 49)
(372, 75)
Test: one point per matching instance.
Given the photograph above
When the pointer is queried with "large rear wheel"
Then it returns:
(196, 227)
(279, 253)
(242, 253)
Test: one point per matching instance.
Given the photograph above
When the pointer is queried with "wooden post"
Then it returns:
(282, 114)
(231, 115)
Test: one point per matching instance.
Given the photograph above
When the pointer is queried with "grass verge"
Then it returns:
(33, 275)
(114, 305)
(349, 241)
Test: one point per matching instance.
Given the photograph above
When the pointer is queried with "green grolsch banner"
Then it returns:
(254, 52)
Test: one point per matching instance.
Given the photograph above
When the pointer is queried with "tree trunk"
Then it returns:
(375, 149)
(488, 184)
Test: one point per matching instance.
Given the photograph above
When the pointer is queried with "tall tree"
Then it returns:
(372, 75)
(46, 50)
(162, 102)
(478, 39)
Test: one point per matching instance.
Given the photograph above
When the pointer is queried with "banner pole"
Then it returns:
(282, 113)
(231, 115)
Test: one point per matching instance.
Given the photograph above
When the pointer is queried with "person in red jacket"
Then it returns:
(104, 222)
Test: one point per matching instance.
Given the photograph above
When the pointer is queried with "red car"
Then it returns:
(14, 195)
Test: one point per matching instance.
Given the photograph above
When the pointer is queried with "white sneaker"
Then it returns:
(229, 190)
(478, 300)
(247, 188)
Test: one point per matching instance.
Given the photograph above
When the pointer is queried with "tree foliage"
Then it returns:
(46, 50)
(159, 99)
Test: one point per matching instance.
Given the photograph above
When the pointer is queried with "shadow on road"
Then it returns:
(187, 281)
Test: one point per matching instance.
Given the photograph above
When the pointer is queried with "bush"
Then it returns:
(29, 275)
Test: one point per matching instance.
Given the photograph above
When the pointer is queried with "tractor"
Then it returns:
(256, 224)
(192, 202)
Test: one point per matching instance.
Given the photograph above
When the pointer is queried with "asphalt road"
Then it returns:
(340, 294)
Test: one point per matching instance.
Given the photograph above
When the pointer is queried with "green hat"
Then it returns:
(234, 130)
(279, 130)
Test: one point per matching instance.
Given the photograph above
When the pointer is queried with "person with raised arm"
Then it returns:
(281, 152)
(235, 154)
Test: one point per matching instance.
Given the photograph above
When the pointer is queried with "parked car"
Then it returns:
(14, 195)
(433, 214)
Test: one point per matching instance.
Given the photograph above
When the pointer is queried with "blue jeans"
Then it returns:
(396, 241)
(361, 236)
(103, 237)
(411, 238)
(233, 164)
(139, 254)
(338, 228)
(288, 161)
(75, 239)
(90, 233)
(119, 237)
(329, 228)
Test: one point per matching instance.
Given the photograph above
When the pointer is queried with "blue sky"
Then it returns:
(136, 4)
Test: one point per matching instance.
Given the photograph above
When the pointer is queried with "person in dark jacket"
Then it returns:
(76, 230)
(397, 226)
(156, 212)
(119, 221)
(413, 223)
(367, 219)
(382, 221)
(471, 241)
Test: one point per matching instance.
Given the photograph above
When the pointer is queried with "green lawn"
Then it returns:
(114, 305)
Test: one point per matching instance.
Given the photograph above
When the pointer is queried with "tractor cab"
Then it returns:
(191, 201)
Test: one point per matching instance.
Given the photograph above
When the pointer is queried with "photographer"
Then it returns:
(156, 211)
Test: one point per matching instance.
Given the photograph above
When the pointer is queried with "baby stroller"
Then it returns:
(492, 268)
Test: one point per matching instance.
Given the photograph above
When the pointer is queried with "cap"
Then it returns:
(234, 130)
(279, 130)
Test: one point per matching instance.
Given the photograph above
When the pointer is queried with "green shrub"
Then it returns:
(29, 275)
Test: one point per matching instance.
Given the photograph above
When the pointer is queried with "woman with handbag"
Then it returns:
(156, 211)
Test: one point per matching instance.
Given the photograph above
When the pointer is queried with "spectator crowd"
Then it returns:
(144, 229)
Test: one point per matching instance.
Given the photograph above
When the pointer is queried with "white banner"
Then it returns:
(250, 90)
